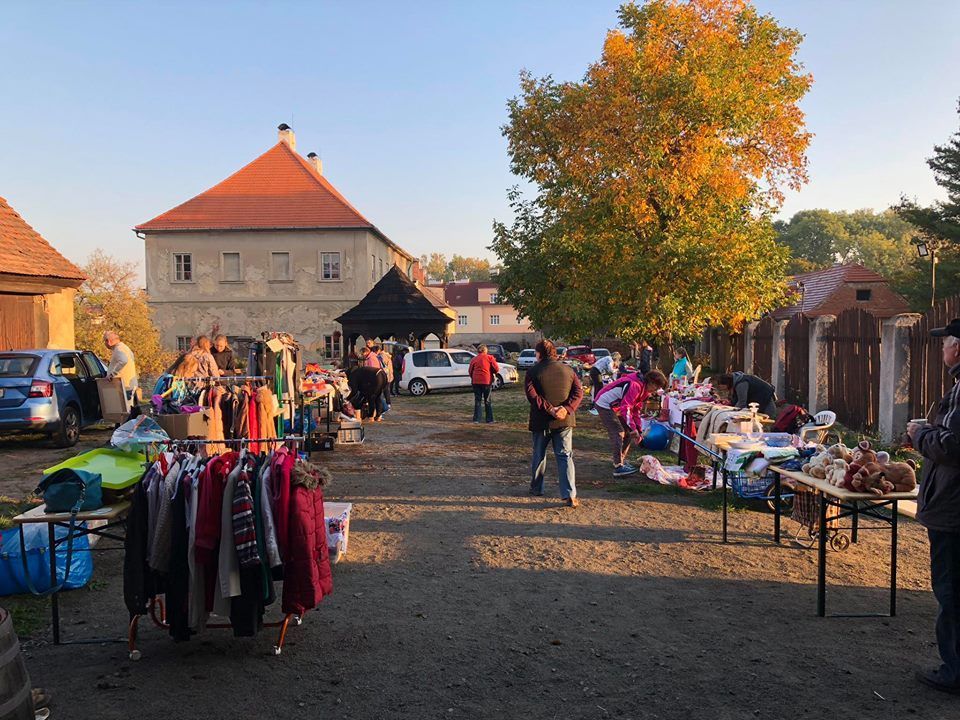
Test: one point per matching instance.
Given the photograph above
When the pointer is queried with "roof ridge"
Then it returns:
(323, 182)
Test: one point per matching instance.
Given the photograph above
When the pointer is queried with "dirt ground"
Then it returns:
(464, 597)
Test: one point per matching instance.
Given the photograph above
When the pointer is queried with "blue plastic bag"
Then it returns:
(36, 541)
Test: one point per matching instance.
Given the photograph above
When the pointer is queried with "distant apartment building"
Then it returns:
(482, 317)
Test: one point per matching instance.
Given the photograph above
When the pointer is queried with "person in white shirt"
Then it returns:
(603, 371)
(122, 363)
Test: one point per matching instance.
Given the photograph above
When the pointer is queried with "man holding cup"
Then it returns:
(938, 509)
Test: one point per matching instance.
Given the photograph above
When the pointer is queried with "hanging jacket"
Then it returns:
(627, 398)
(139, 584)
(306, 564)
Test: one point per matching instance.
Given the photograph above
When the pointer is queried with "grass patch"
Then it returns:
(11, 507)
(31, 615)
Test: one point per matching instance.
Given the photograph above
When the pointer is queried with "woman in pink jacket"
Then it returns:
(620, 406)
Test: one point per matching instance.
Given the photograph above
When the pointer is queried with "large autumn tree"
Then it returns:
(656, 175)
(110, 299)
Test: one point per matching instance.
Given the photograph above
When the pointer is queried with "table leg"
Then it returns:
(822, 559)
(55, 597)
(893, 561)
(724, 503)
(776, 511)
(855, 520)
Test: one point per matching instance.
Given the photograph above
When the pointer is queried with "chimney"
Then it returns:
(316, 162)
(285, 135)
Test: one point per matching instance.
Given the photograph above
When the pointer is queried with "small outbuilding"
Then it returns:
(834, 289)
(37, 288)
(396, 307)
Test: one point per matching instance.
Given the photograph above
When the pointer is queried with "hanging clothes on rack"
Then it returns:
(211, 533)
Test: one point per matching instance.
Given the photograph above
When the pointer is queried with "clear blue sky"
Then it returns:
(115, 112)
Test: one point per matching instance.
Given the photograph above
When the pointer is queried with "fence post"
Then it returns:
(747, 338)
(894, 408)
(818, 378)
(778, 374)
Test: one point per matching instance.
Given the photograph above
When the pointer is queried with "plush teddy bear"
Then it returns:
(872, 482)
(863, 455)
(818, 464)
(901, 475)
(841, 452)
(837, 472)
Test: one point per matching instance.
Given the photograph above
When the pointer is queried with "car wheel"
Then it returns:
(69, 432)
(418, 387)
(497, 382)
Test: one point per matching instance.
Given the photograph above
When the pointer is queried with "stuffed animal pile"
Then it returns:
(862, 469)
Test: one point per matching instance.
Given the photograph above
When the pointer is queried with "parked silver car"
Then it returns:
(50, 391)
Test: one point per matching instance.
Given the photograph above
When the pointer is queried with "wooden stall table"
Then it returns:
(723, 441)
(113, 515)
(849, 504)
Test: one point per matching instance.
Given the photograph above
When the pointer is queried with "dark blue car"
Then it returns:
(50, 391)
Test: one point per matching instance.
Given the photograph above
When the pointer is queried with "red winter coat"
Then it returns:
(306, 565)
(483, 368)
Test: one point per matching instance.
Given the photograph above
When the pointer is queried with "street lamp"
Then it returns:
(929, 249)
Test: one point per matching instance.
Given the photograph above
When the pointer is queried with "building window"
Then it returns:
(863, 295)
(330, 266)
(373, 267)
(230, 267)
(494, 299)
(183, 267)
(461, 320)
(494, 319)
(519, 320)
(280, 266)
(331, 346)
(184, 343)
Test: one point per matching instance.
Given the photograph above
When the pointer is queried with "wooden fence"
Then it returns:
(726, 352)
(763, 348)
(797, 360)
(853, 351)
(929, 380)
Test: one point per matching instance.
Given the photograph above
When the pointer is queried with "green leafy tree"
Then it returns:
(938, 225)
(436, 267)
(110, 300)
(468, 268)
(655, 175)
(817, 239)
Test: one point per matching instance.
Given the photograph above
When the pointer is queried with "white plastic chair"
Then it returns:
(822, 421)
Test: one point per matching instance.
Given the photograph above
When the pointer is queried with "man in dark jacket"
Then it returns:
(938, 509)
(745, 389)
(554, 392)
(645, 361)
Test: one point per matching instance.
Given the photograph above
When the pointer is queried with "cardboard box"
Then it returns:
(183, 426)
(114, 406)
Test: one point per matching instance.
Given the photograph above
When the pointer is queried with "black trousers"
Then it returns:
(596, 382)
(945, 578)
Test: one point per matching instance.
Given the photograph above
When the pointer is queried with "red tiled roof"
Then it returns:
(23, 251)
(820, 285)
(465, 293)
(279, 190)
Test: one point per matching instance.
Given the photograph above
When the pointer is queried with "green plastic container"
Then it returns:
(119, 470)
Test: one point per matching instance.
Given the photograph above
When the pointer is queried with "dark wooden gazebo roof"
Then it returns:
(395, 307)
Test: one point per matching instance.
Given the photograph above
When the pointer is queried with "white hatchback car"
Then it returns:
(426, 370)
(527, 359)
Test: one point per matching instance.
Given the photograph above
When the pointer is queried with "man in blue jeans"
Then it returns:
(554, 393)
(938, 509)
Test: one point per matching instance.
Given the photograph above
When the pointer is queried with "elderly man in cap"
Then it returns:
(938, 509)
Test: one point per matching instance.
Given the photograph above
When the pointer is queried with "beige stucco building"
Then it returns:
(483, 317)
(37, 288)
(273, 247)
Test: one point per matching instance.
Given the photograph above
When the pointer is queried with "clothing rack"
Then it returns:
(225, 378)
(157, 609)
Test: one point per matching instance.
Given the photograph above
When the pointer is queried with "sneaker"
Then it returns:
(572, 502)
(934, 679)
(593, 411)
(624, 470)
